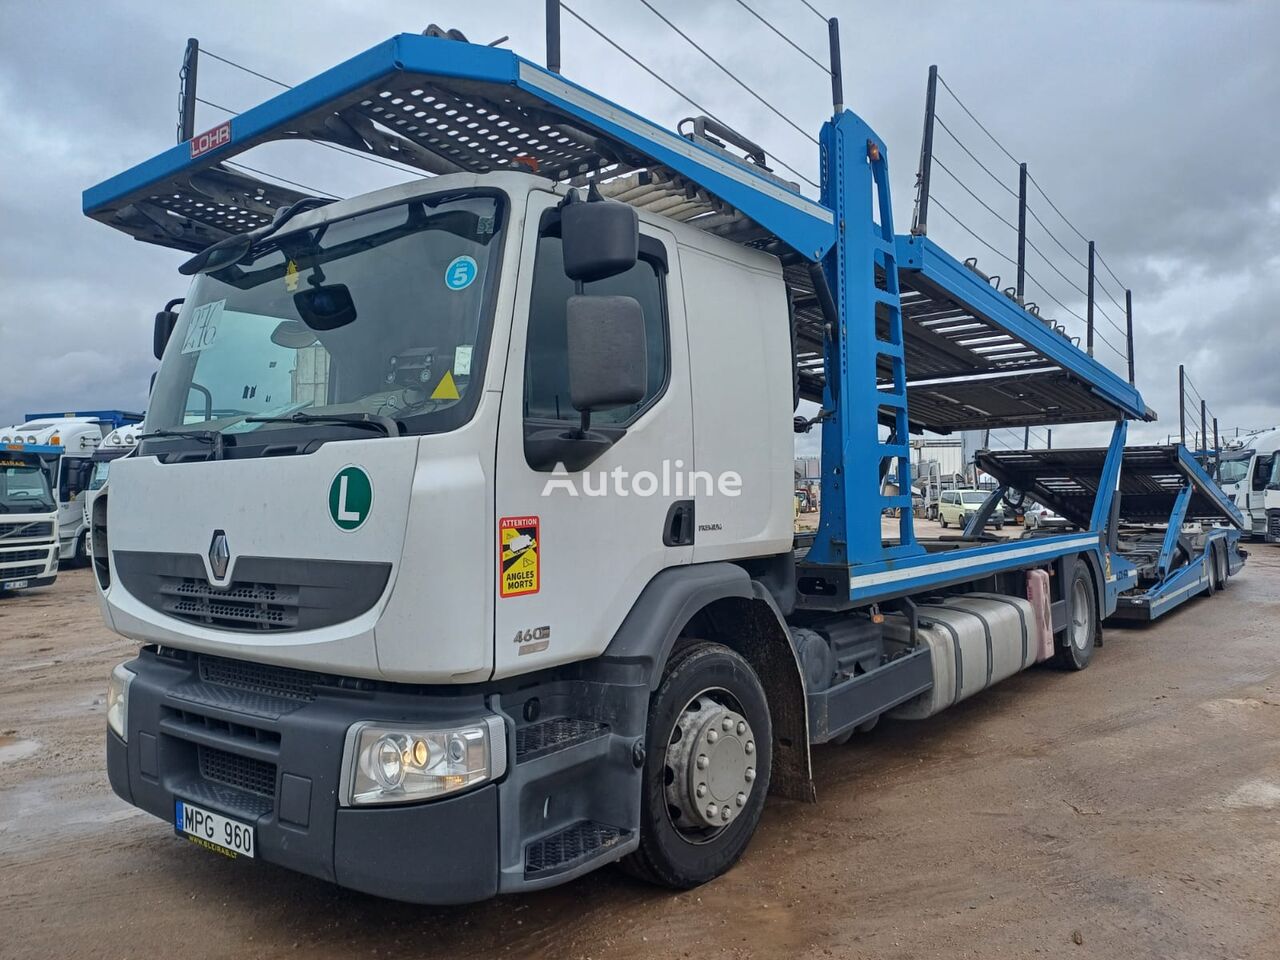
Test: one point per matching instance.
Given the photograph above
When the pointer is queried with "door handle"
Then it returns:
(678, 529)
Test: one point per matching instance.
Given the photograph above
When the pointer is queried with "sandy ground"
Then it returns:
(1130, 811)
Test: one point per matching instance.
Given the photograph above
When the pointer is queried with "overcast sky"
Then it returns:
(1152, 125)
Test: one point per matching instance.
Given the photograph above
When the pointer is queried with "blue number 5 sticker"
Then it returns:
(460, 273)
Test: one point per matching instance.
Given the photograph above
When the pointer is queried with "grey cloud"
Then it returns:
(1149, 123)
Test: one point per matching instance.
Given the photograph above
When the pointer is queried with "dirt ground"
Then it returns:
(1130, 811)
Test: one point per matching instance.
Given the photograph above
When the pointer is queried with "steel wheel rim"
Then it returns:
(1081, 616)
(704, 799)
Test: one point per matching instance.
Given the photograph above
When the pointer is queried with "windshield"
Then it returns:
(24, 488)
(1232, 471)
(99, 478)
(384, 313)
(972, 498)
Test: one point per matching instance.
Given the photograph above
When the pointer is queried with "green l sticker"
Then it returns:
(350, 498)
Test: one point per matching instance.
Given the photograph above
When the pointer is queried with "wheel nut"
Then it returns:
(750, 746)
(712, 812)
(750, 774)
(712, 736)
(741, 799)
(725, 813)
(742, 727)
(702, 790)
(726, 724)
(703, 762)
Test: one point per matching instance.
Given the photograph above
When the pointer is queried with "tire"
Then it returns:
(699, 680)
(1220, 564)
(942, 520)
(1076, 642)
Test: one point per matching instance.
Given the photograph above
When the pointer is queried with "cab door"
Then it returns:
(1256, 490)
(574, 547)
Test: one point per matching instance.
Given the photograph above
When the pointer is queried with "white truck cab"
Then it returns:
(1250, 475)
(28, 513)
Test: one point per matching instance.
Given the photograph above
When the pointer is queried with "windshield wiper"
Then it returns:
(370, 421)
(212, 437)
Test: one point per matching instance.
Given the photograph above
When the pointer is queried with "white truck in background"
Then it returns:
(1250, 475)
(28, 515)
(79, 434)
(120, 442)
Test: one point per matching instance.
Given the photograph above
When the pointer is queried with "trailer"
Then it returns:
(1176, 533)
(457, 607)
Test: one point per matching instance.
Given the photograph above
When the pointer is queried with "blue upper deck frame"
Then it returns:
(909, 337)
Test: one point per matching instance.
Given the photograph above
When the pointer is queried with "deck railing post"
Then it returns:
(187, 91)
(1089, 314)
(1182, 404)
(1204, 427)
(1049, 442)
(1020, 289)
(553, 35)
(837, 82)
(1216, 445)
(920, 224)
(1128, 319)
(1026, 438)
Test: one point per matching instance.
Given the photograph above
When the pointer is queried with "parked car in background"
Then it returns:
(1038, 516)
(957, 506)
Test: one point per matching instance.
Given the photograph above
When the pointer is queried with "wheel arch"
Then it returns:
(721, 602)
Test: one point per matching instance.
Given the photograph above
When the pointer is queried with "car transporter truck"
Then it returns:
(395, 632)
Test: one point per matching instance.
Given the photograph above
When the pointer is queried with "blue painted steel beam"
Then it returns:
(804, 224)
(1208, 487)
(1176, 519)
(1109, 481)
(921, 253)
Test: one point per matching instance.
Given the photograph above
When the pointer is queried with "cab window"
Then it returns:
(546, 372)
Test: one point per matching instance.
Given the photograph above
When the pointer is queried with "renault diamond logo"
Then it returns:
(219, 555)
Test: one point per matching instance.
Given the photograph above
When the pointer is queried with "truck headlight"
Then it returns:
(401, 763)
(118, 700)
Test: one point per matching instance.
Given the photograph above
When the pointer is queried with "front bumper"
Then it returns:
(275, 760)
(36, 563)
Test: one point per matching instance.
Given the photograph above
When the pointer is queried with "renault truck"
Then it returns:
(458, 547)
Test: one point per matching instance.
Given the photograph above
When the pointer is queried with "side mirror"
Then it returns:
(601, 239)
(606, 353)
(166, 320)
(607, 369)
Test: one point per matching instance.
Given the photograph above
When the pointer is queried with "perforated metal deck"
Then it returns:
(1150, 480)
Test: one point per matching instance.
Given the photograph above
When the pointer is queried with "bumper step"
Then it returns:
(575, 845)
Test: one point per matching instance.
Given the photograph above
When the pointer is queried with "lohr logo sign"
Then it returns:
(211, 139)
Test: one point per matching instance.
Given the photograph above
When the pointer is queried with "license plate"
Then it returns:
(14, 585)
(212, 830)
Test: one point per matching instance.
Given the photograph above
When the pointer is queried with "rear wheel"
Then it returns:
(707, 765)
(1076, 643)
(942, 520)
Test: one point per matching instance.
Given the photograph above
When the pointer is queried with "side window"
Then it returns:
(546, 374)
(1262, 472)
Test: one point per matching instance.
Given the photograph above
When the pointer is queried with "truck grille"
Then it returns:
(20, 573)
(255, 606)
(21, 556)
(242, 773)
(269, 593)
(41, 528)
(1273, 525)
(262, 678)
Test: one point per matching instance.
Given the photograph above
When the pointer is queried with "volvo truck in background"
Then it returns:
(79, 435)
(1250, 475)
(28, 514)
(436, 597)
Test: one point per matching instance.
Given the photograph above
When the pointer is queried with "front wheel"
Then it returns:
(1076, 643)
(943, 521)
(707, 764)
